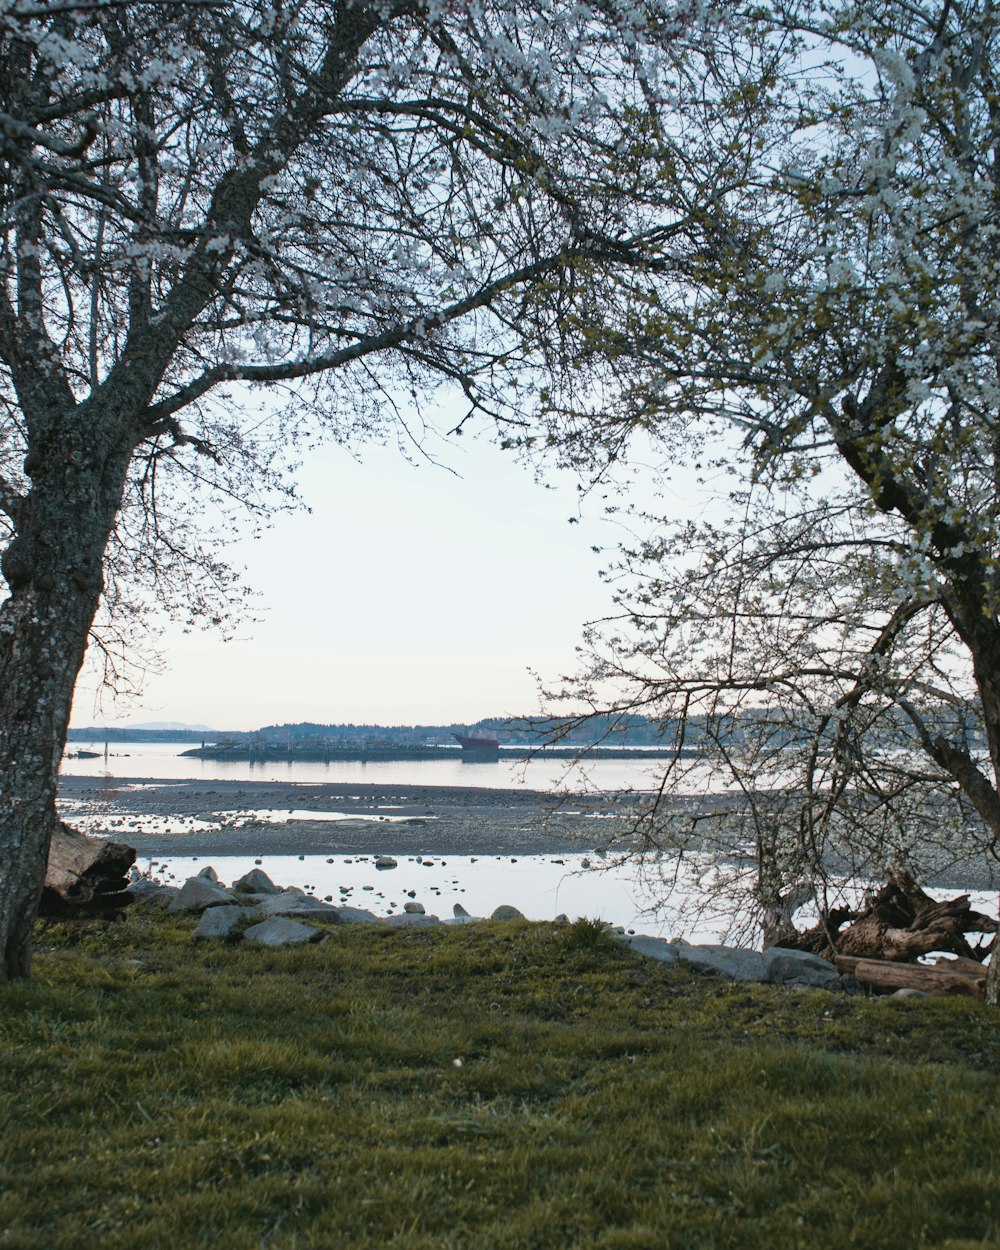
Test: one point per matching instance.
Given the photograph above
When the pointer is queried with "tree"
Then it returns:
(339, 199)
(834, 323)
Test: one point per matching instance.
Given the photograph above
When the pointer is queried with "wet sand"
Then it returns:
(160, 817)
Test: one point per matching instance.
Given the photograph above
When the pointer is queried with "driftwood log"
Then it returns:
(898, 923)
(85, 876)
(944, 976)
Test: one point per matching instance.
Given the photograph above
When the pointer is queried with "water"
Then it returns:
(541, 887)
(164, 760)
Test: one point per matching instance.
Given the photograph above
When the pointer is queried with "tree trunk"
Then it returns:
(53, 571)
(976, 622)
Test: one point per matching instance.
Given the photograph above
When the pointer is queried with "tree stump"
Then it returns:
(898, 923)
(85, 876)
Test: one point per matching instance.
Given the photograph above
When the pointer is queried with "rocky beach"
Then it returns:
(213, 817)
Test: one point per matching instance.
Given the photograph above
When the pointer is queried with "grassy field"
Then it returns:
(497, 1086)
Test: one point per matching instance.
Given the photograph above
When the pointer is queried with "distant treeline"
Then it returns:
(615, 731)
(514, 731)
(97, 733)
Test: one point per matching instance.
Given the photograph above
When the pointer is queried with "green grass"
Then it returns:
(158, 1093)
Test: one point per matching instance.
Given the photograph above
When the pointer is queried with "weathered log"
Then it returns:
(85, 876)
(947, 976)
(899, 922)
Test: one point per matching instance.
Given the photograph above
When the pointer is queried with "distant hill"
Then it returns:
(146, 733)
(618, 731)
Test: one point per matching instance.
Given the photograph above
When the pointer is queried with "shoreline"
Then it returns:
(189, 817)
(193, 817)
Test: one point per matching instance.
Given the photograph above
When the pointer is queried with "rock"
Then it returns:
(385, 861)
(459, 912)
(908, 993)
(655, 948)
(792, 967)
(414, 909)
(355, 915)
(209, 873)
(280, 931)
(732, 962)
(293, 902)
(256, 882)
(506, 912)
(218, 922)
(777, 964)
(415, 920)
(197, 893)
(145, 890)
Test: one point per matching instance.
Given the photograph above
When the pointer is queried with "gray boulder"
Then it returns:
(386, 861)
(256, 881)
(293, 902)
(414, 909)
(355, 915)
(209, 874)
(506, 912)
(197, 893)
(280, 931)
(145, 889)
(461, 916)
(778, 964)
(219, 922)
(655, 948)
(790, 967)
(732, 962)
(410, 920)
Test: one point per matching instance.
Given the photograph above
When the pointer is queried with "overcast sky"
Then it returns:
(408, 595)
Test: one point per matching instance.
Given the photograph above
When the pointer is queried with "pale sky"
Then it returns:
(408, 595)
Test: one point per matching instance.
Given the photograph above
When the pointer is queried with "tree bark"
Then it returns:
(53, 568)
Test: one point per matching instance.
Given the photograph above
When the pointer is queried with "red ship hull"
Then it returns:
(477, 744)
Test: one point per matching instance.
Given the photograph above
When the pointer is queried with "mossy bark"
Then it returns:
(53, 571)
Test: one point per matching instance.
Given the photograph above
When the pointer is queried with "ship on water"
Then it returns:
(477, 745)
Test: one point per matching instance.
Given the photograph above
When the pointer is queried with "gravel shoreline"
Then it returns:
(167, 817)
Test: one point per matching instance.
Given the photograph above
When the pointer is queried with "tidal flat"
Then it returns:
(188, 817)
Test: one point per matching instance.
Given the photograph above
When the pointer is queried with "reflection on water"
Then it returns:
(663, 900)
(540, 886)
(164, 760)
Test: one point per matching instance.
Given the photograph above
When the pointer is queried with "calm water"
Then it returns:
(634, 895)
(164, 759)
(540, 886)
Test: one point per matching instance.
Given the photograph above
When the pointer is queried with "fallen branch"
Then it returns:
(947, 976)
